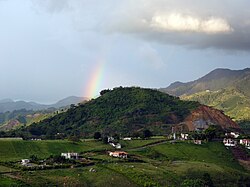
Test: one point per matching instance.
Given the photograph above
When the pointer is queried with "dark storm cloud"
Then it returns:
(197, 24)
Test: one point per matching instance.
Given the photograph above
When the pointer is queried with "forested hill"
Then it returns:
(121, 110)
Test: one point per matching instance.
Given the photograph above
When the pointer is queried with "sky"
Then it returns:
(51, 49)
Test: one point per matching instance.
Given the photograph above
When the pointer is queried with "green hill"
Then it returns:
(121, 111)
(224, 89)
(18, 118)
(213, 81)
(230, 100)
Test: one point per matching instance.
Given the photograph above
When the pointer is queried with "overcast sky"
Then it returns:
(51, 49)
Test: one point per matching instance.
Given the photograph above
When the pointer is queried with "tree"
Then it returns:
(104, 91)
(105, 140)
(146, 134)
(33, 158)
(210, 132)
(116, 137)
(74, 138)
(192, 183)
(207, 180)
(97, 135)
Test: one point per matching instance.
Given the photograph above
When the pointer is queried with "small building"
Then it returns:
(36, 139)
(184, 136)
(245, 142)
(110, 139)
(117, 146)
(127, 138)
(232, 134)
(197, 142)
(25, 162)
(229, 142)
(70, 155)
(119, 154)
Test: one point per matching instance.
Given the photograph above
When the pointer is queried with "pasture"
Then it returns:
(157, 163)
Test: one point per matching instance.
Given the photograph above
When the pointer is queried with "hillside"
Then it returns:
(123, 111)
(23, 117)
(15, 114)
(213, 81)
(224, 89)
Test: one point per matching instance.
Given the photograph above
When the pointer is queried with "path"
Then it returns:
(149, 145)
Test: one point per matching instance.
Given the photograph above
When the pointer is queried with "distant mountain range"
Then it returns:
(224, 89)
(10, 105)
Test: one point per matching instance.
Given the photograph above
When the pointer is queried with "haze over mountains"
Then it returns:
(10, 105)
(224, 89)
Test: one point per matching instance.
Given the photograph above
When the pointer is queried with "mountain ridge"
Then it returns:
(10, 105)
(224, 89)
(212, 81)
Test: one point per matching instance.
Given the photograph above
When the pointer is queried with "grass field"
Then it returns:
(13, 150)
(163, 164)
(16, 150)
(5, 181)
(209, 153)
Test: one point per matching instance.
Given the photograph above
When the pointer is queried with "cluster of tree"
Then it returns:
(205, 181)
(212, 132)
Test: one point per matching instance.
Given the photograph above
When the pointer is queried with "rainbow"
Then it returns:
(93, 85)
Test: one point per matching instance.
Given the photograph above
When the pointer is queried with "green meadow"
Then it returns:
(11, 150)
(153, 162)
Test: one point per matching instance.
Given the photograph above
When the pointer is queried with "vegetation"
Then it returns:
(233, 102)
(146, 134)
(150, 163)
(97, 135)
(224, 89)
(23, 117)
(120, 111)
(16, 150)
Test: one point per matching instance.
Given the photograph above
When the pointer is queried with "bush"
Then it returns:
(97, 135)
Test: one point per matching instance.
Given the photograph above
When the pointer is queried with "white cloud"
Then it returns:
(186, 23)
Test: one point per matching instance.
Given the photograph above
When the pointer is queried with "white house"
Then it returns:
(197, 142)
(70, 155)
(110, 139)
(24, 162)
(117, 146)
(229, 142)
(184, 136)
(119, 154)
(232, 134)
(127, 138)
(245, 142)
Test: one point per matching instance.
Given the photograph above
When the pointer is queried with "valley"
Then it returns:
(164, 164)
